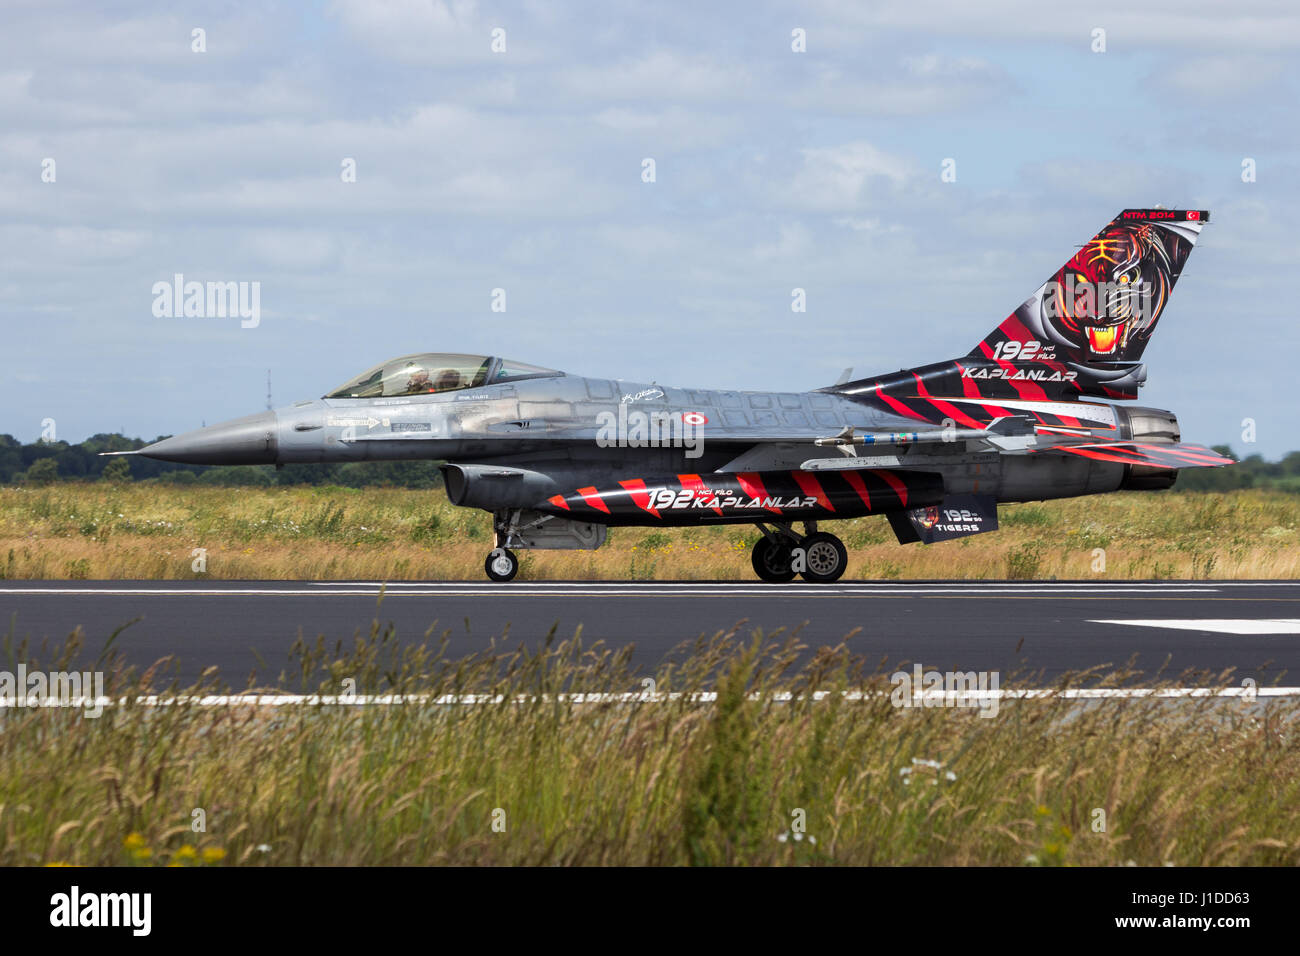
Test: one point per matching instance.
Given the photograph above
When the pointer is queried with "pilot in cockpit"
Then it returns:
(448, 380)
(419, 380)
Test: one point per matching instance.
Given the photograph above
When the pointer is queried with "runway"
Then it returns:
(1039, 628)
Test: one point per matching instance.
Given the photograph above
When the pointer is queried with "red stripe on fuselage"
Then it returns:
(753, 486)
(899, 407)
(860, 486)
(952, 411)
(813, 488)
(971, 390)
(695, 484)
(640, 497)
(592, 497)
(899, 486)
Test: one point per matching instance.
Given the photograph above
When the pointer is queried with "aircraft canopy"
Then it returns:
(431, 372)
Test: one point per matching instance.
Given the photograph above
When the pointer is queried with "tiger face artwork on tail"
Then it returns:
(1101, 307)
(1112, 291)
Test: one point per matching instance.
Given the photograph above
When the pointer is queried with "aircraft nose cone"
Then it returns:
(250, 440)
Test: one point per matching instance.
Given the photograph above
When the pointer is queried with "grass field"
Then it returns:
(140, 531)
(747, 779)
(784, 766)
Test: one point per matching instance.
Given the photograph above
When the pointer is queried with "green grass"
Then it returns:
(140, 531)
(535, 777)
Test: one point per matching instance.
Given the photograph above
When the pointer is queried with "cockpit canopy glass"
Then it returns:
(509, 371)
(422, 374)
(433, 372)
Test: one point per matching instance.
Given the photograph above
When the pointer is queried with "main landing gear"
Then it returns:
(782, 553)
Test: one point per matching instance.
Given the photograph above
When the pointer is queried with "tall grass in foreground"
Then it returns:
(748, 778)
(141, 531)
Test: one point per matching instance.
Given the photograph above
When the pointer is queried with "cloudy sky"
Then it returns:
(522, 170)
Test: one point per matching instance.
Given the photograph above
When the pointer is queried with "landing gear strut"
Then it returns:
(501, 563)
(782, 553)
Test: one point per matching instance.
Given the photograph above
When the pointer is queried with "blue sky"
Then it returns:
(521, 170)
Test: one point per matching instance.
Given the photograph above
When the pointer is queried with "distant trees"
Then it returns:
(45, 462)
(1251, 472)
(43, 472)
(117, 471)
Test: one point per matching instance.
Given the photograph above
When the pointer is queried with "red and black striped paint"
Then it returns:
(742, 497)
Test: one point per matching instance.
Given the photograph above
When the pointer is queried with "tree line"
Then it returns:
(43, 462)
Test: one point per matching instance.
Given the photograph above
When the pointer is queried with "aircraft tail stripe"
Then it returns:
(559, 502)
(1135, 457)
(1013, 328)
(1193, 452)
(971, 391)
(951, 411)
(1145, 453)
(1099, 456)
(901, 407)
(1160, 456)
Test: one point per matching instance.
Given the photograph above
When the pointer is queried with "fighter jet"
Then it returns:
(1030, 413)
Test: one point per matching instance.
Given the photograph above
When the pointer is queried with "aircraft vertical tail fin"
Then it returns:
(1101, 307)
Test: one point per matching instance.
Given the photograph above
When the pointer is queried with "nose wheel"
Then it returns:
(501, 564)
(818, 557)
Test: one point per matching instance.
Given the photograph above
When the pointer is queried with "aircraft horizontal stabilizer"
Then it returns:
(1140, 453)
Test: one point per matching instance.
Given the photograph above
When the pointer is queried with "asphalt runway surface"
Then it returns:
(1039, 628)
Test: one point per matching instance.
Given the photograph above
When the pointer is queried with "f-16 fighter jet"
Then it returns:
(1030, 413)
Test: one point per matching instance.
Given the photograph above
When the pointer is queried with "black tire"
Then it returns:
(825, 558)
(501, 564)
(772, 561)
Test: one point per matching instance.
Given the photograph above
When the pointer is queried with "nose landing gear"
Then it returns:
(501, 564)
(783, 553)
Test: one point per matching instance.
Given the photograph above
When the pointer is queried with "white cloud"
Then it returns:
(1221, 77)
(1205, 26)
(794, 240)
(658, 76)
(429, 32)
(835, 178)
(294, 249)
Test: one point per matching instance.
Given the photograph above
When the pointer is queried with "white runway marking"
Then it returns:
(1221, 625)
(1249, 694)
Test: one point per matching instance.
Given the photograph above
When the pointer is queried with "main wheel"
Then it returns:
(825, 558)
(501, 564)
(772, 561)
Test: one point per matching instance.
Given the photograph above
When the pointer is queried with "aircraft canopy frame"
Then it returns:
(431, 373)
